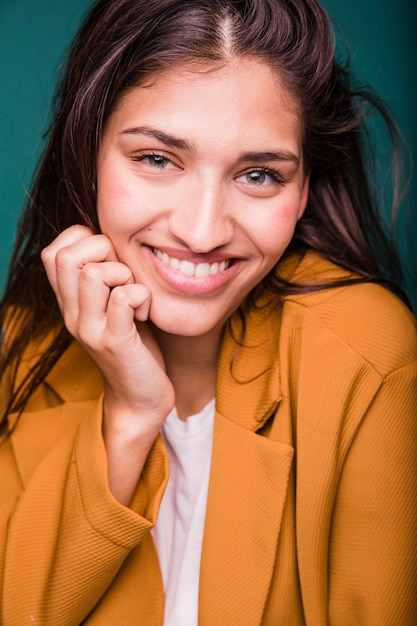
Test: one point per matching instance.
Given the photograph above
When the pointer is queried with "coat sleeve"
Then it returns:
(63, 537)
(373, 543)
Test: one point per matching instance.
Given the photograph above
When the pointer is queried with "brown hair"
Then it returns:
(123, 42)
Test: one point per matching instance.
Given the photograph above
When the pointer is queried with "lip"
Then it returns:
(194, 285)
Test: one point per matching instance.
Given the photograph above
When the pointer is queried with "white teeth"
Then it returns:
(200, 270)
(187, 268)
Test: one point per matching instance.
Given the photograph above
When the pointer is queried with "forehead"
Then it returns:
(240, 98)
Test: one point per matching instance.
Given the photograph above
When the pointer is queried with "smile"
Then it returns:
(197, 270)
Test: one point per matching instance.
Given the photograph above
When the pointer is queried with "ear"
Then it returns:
(304, 197)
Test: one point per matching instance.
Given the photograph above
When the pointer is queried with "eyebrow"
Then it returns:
(261, 157)
(182, 144)
(168, 140)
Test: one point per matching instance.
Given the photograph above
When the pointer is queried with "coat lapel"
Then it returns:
(341, 383)
(248, 482)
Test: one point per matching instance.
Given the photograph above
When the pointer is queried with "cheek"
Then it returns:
(273, 230)
(123, 204)
(113, 197)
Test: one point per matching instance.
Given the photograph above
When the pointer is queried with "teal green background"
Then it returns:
(34, 35)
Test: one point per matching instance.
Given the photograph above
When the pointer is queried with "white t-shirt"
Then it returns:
(178, 534)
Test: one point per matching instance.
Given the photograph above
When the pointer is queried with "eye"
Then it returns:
(261, 177)
(155, 160)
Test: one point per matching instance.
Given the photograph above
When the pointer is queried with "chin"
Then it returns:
(187, 326)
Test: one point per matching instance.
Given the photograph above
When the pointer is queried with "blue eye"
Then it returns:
(257, 178)
(155, 160)
(260, 177)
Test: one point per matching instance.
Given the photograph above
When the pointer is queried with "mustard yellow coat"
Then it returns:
(311, 515)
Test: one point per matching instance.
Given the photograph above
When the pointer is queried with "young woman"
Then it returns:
(208, 389)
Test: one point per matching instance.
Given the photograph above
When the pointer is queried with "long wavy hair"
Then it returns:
(120, 44)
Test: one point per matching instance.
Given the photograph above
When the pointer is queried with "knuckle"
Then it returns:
(46, 256)
(119, 296)
(64, 259)
(80, 230)
(91, 273)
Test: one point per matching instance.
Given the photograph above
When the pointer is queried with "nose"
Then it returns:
(202, 219)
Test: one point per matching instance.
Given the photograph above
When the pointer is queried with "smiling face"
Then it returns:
(200, 186)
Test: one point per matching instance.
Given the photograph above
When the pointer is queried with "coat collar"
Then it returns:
(248, 386)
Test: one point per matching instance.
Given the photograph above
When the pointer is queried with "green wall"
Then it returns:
(34, 35)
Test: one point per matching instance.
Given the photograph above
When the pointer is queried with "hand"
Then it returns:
(106, 312)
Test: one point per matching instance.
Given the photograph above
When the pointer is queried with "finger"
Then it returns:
(95, 283)
(64, 239)
(127, 303)
(69, 263)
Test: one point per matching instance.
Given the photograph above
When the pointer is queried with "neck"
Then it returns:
(191, 364)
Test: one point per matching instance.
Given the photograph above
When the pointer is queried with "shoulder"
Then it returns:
(367, 318)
